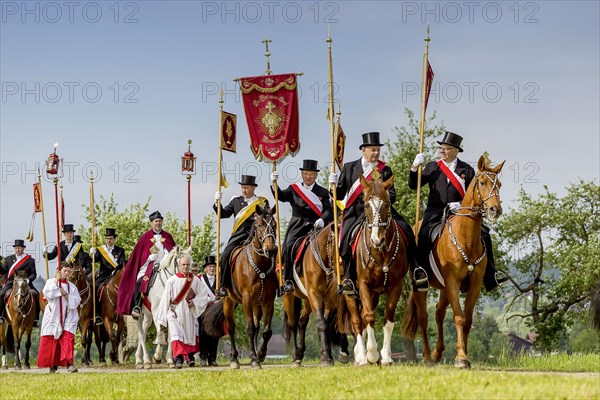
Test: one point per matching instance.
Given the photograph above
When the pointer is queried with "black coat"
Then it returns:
(441, 191)
(28, 266)
(303, 217)
(83, 258)
(354, 214)
(105, 269)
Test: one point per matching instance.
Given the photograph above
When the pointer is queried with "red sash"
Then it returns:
(184, 290)
(452, 177)
(380, 166)
(312, 205)
(17, 265)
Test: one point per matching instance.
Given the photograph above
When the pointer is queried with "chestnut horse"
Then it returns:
(86, 318)
(381, 265)
(254, 286)
(315, 290)
(21, 313)
(461, 257)
(107, 332)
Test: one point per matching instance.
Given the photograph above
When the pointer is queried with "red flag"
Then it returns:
(271, 106)
(340, 143)
(428, 82)
(37, 198)
(228, 130)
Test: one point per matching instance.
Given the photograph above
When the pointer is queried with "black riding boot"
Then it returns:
(225, 276)
(348, 284)
(136, 311)
(288, 284)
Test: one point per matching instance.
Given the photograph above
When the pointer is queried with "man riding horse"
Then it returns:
(349, 188)
(447, 178)
(311, 208)
(21, 262)
(150, 249)
(242, 208)
(111, 259)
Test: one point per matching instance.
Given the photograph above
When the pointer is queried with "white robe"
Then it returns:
(181, 319)
(51, 323)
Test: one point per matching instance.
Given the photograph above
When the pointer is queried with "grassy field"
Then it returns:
(277, 381)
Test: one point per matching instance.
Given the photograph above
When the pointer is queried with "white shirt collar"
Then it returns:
(250, 199)
(452, 164)
(308, 187)
(365, 163)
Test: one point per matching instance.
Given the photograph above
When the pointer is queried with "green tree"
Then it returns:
(552, 247)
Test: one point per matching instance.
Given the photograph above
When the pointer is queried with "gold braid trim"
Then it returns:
(267, 90)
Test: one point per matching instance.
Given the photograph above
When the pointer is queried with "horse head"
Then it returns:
(378, 210)
(487, 186)
(263, 231)
(171, 260)
(77, 275)
(21, 288)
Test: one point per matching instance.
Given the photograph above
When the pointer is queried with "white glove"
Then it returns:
(319, 223)
(48, 248)
(274, 176)
(455, 205)
(333, 179)
(218, 196)
(419, 159)
(92, 251)
(152, 257)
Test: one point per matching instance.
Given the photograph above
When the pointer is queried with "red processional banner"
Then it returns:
(428, 82)
(271, 106)
(228, 131)
(37, 198)
(340, 144)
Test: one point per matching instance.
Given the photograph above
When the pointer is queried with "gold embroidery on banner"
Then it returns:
(272, 119)
(248, 87)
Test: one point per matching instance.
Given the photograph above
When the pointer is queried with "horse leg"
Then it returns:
(17, 346)
(302, 323)
(440, 314)
(248, 307)
(291, 325)
(470, 301)
(142, 359)
(316, 303)
(420, 303)
(115, 339)
(392, 297)
(368, 316)
(28, 346)
(360, 353)
(268, 310)
(228, 310)
(344, 356)
(452, 291)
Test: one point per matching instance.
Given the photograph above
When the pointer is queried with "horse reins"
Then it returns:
(28, 299)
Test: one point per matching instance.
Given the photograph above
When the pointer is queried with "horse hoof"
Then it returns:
(255, 365)
(326, 363)
(26, 366)
(429, 363)
(296, 364)
(462, 364)
(156, 360)
(373, 359)
(171, 365)
(139, 366)
(17, 367)
(147, 365)
(5, 367)
(344, 358)
(387, 363)
(234, 365)
(103, 364)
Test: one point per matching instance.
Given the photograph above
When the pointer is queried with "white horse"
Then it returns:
(167, 268)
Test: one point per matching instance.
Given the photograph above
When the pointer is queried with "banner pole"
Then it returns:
(93, 218)
(422, 131)
(43, 221)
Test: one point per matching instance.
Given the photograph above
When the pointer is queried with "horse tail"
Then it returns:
(288, 328)
(333, 332)
(10, 339)
(410, 324)
(595, 307)
(344, 319)
(212, 320)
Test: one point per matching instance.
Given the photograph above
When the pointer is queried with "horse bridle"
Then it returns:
(268, 232)
(86, 290)
(22, 293)
(480, 209)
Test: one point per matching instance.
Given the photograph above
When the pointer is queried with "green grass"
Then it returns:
(339, 382)
(562, 362)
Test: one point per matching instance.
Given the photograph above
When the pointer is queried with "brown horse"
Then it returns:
(381, 265)
(315, 290)
(86, 318)
(254, 286)
(461, 257)
(21, 313)
(102, 334)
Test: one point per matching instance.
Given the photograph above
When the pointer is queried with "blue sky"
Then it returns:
(122, 86)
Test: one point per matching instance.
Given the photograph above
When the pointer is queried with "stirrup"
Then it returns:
(222, 292)
(288, 287)
(2, 320)
(136, 312)
(349, 289)
(98, 321)
(500, 278)
(420, 284)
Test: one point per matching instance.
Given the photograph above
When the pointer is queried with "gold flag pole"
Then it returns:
(266, 41)
(332, 130)
(422, 128)
(218, 244)
(43, 220)
(93, 218)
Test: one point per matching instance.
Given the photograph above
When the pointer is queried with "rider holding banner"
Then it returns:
(348, 185)
(311, 208)
(242, 208)
(447, 178)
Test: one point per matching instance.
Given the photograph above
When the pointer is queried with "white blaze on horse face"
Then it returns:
(375, 203)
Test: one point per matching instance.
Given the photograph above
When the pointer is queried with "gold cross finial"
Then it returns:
(266, 41)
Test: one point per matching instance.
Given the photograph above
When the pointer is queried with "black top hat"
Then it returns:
(370, 139)
(155, 215)
(248, 180)
(68, 228)
(19, 242)
(310, 165)
(209, 260)
(110, 232)
(77, 238)
(452, 139)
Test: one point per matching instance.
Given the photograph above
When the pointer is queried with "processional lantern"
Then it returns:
(188, 161)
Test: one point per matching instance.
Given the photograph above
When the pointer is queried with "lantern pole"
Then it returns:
(53, 171)
(188, 163)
